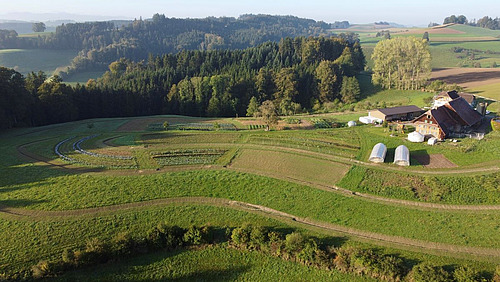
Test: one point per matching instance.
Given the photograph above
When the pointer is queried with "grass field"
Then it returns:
(308, 156)
(289, 165)
(26, 61)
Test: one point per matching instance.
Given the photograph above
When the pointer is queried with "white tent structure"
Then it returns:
(378, 153)
(370, 119)
(402, 156)
(351, 123)
(432, 141)
(416, 137)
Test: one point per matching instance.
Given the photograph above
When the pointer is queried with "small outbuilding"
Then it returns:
(351, 123)
(432, 141)
(370, 120)
(416, 137)
(378, 153)
(402, 156)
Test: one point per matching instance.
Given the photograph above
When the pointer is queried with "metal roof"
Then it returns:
(400, 110)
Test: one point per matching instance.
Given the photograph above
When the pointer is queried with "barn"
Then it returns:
(403, 113)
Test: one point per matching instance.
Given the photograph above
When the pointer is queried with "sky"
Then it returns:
(416, 12)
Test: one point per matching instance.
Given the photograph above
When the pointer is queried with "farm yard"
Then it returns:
(318, 181)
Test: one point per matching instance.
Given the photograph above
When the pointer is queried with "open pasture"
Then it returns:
(26, 61)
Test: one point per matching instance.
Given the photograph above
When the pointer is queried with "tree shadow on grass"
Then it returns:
(16, 203)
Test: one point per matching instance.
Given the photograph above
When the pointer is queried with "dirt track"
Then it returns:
(305, 222)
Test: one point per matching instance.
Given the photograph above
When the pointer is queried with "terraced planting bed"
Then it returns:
(186, 157)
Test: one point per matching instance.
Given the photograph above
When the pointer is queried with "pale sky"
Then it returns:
(416, 12)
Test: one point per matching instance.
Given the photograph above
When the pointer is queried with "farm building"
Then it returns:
(402, 113)
(447, 96)
(351, 123)
(454, 118)
(378, 153)
(402, 156)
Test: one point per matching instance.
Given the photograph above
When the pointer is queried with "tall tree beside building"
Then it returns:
(401, 63)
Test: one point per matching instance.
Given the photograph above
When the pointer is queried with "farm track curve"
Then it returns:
(306, 223)
(329, 188)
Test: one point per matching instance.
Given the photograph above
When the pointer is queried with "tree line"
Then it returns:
(296, 74)
(101, 43)
(401, 63)
(485, 22)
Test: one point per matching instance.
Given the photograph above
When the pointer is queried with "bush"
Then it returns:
(426, 272)
(196, 235)
(164, 236)
(258, 238)
(241, 236)
(294, 242)
(68, 256)
(466, 274)
(496, 275)
(44, 269)
(122, 244)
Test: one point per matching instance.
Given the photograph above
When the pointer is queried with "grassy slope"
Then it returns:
(210, 264)
(82, 191)
(26, 61)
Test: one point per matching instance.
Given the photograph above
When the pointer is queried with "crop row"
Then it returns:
(57, 150)
(77, 148)
(187, 157)
(206, 126)
(256, 126)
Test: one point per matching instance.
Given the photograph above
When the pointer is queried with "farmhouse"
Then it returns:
(402, 113)
(453, 119)
(447, 96)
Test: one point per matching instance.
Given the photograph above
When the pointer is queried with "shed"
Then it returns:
(416, 137)
(432, 141)
(402, 156)
(351, 123)
(378, 153)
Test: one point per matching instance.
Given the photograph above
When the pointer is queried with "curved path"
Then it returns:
(330, 188)
(420, 245)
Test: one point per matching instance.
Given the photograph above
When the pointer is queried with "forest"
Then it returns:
(297, 74)
(101, 43)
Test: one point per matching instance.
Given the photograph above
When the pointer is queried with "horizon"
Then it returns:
(364, 11)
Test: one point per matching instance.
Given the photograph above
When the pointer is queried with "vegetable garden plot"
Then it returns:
(206, 126)
(73, 153)
(323, 146)
(188, 157)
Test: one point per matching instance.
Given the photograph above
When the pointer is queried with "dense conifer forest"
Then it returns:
(296, 74)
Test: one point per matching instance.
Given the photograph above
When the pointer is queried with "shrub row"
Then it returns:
(364, 262)
(160, 237)
(292, 246)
